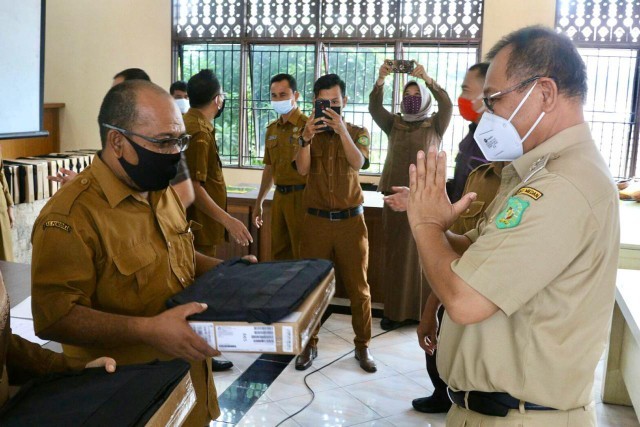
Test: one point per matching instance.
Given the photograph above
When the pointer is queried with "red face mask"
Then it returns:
(466, 110)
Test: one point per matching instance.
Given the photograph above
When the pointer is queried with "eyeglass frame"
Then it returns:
(487, 100)
(179, 141)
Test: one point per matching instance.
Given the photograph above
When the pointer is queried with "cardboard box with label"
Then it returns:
(289, 335)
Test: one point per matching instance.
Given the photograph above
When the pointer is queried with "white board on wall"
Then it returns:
(21, 68)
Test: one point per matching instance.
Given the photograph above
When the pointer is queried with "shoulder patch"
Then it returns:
(512, 215)
(531, 192)
(363, 140)
(57, 224)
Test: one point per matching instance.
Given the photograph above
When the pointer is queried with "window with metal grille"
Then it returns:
(607, 33)
(309, 38)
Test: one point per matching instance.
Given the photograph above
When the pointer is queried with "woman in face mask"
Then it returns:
(414, 129)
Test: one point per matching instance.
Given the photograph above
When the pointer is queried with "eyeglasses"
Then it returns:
(491, 99)
(181, 142)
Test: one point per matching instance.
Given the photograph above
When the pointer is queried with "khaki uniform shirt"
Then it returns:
(332, 184)
(6, 200)
(205, 166)
(281, 146)
(21, 360)
(484, 181)
(99, 244)
(546, 253)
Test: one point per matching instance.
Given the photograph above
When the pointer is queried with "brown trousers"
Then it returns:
(346, 243)
(287, 214)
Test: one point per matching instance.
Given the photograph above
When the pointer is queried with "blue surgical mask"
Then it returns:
(183, 104)
(282, 107)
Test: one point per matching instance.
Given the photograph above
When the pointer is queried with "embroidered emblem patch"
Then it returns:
(531, 192)
(363, 140)
(512, 215)
(57, 224)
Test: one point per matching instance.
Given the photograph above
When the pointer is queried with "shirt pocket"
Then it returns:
(472, 215)
(132, 262)
(344, 168)
(317, 159)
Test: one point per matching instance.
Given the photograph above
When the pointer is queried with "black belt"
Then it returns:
(337, 215)
(492, 404)
(284, 189)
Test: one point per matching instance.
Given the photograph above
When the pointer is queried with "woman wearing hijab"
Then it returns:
(406, 289)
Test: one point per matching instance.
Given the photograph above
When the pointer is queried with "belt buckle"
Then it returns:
(331, 218)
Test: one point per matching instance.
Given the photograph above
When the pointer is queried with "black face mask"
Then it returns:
(154, 171)
(220, 110)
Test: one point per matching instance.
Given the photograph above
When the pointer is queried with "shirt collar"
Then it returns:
(113, 187)
(197, 114)
(293, 118)
(557, 143)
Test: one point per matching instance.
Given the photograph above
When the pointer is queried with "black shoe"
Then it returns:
(432, 404)
(305, 359)
(388, 324)
(220, 365)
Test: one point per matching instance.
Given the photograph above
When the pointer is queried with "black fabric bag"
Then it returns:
(237, 290)
(92, 397)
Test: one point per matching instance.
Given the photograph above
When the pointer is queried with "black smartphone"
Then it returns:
(320, 106)
(401, 65)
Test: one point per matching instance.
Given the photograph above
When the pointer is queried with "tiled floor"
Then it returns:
(347, 396)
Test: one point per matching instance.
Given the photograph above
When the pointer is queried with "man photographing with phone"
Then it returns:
(334, 227)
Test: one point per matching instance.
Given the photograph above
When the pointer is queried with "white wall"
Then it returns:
(87, 42)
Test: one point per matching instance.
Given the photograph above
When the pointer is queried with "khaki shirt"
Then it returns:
(484, 181)
(332, 184)
(99, 244)
(281, 146)
(205, 166)
(546, 253)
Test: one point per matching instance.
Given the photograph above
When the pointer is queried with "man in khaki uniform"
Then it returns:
(7, 217)
(281, 145)
(127, 247)
(334, 226)
(209, 209)
(533, 285)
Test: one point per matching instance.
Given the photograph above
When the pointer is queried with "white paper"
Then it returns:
(205, 331)
(23, 310)
(287, 339)
(24, 328)
(246, 338)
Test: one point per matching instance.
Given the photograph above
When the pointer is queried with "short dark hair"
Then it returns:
(288, 77)
(133, 74)
(179, 85)
(202, 88)
(540, 51)
(327, 82)
(119, 106)
(481, 68)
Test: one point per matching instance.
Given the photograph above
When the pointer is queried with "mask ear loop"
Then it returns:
(522, 102)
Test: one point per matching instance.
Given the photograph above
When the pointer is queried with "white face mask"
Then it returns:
(498, 138)
(282, 107)
(183, 105)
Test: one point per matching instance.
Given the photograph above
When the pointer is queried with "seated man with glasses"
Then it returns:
(113, 245)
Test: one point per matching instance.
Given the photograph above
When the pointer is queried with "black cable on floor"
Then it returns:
(313, 394)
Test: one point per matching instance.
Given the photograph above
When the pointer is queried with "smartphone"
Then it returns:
(401, 65)
(320, 106)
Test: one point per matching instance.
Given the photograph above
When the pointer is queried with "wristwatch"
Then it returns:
(302, 142)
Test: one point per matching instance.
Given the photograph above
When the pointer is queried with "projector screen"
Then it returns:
(21, 68)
